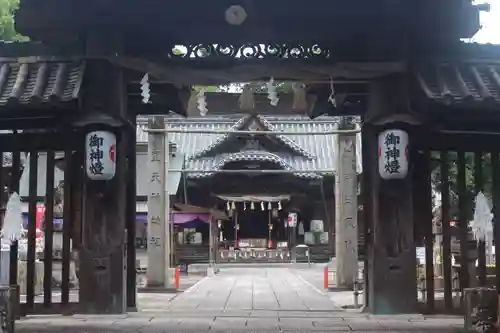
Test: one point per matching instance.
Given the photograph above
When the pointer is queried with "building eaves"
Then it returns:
(256, 155)
(34, 81)
(466, 83)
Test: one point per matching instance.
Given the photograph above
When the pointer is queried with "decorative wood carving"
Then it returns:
(250, 51)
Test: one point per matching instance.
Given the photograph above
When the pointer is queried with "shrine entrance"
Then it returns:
(125, 67)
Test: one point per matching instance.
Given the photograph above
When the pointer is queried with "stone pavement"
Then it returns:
(242, 300)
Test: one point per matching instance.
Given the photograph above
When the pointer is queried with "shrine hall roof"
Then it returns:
(319, 150)
(31, 81)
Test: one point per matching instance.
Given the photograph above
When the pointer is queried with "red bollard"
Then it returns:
(177, 277)
(325, 278)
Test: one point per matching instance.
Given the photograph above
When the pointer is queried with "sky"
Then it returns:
(490, 33)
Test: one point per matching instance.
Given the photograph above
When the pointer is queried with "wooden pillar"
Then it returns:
(131, 214)
(391, 256)
(464, 276)
(422, 207)
(495, 168)
(479, 186)
(366, 197)
(445, 228)
(103, 257)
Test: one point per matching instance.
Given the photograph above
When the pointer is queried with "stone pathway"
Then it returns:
(242, 300)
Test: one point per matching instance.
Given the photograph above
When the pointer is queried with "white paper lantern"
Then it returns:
(393, 154)
(100, 148)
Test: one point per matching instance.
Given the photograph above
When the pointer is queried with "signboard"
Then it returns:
(100, 148)
(420, 251)
(292, 219)
(393, 154)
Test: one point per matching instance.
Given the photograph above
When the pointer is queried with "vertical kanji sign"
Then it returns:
(393, 154)
(100, 155)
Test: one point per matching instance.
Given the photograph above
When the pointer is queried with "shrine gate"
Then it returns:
(401, 66)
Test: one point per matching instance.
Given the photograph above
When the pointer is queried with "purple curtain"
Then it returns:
(25, 220)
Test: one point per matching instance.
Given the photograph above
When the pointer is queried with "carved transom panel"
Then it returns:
(250, 51)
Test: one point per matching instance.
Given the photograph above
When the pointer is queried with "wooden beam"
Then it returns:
(455, 142)
(34, 141)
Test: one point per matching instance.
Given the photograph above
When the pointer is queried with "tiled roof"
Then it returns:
(322, 147)
(471, 83)
(27, 81)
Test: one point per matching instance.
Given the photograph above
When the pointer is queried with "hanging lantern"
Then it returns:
(228, 206)
(237, 227)
(262, 206)
(270, 227)
(279, 205)
(233, 206)
(101, 155)
(252, 206)
(219, 224)
(269, 206)
(393, 154)
(244, 206)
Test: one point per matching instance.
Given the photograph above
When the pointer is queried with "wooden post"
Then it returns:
(391, 258)
(422, 202)
(366, 183)
(346, 216)
(495, 167)
(445, 228)
(463, 222)
(131, 223)
(481, 251)
(103, 257)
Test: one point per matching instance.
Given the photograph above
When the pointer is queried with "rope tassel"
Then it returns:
(192, 106)
(247, 100)
(299, 97)
(201, 102)
(272, 94)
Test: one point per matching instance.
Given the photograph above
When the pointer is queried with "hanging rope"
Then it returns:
(299, 97)
(247, 100)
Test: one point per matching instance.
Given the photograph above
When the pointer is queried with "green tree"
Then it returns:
(7, 29)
